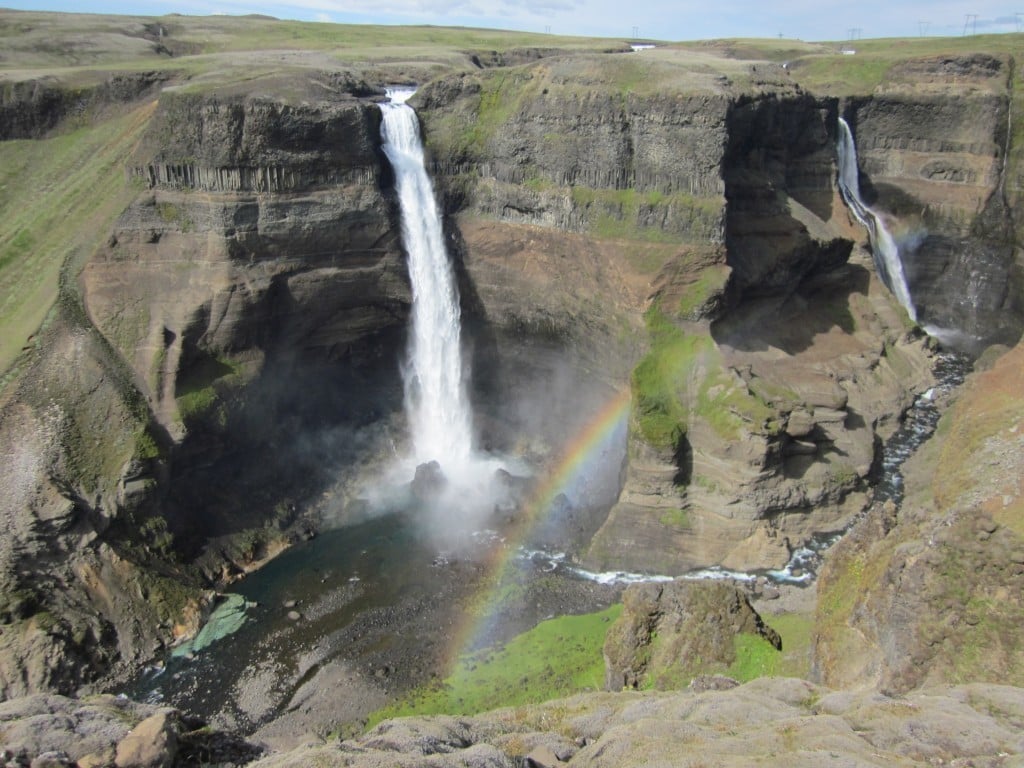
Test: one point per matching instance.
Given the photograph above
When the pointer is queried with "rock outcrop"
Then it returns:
(49, 730)
(782, 719)
(669, 633)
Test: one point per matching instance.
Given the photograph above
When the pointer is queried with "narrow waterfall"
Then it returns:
(883, 247)
(435, 397)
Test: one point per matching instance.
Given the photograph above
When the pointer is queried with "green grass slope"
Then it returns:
(58, 200)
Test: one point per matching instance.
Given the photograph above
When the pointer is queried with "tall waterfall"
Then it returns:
(435, 397)
(883, 247)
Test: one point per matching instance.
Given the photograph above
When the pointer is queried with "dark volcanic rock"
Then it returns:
(31, 108)
(429, 481)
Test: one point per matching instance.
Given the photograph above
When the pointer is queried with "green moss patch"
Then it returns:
(197, 389)
(659, 380)
(683, 377)
(756, 657)
(617, 214)
(696, 295)
(557, 658)
(676, 518)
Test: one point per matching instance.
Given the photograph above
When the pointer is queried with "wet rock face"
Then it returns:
(429, 482)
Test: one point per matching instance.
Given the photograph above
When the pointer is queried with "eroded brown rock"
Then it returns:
(670, 632)
(933, 594)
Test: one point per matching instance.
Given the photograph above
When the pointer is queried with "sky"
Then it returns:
(651, 19)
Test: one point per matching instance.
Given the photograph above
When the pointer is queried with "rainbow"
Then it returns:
(575, 461)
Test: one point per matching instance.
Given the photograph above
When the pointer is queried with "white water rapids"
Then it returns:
(435, 396)
(883, 247)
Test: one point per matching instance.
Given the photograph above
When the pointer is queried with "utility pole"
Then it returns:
(636, 32)
(1019, 18)
(970, 20)
(547, 30)
(922, 28)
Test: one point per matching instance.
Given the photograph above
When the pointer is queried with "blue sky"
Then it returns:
(660, 19)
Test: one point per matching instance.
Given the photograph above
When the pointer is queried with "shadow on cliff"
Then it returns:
(286, 440)
(795, 322)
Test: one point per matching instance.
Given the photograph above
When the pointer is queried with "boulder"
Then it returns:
(429, 481)
(153, 743)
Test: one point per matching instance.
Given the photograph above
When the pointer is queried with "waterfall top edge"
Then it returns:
(399, 94)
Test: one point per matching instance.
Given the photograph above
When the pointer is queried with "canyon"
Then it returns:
(219, 373)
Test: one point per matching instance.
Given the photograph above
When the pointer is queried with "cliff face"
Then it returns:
(262, 253)
(710, 206)
(31, 108)
(938, 162)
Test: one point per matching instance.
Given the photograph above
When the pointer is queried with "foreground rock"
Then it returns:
(778, 721)
(770, 721)
(107, 731)
(669, 633)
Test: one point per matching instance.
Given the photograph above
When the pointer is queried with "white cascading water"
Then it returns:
(435, 396)
(883, 247)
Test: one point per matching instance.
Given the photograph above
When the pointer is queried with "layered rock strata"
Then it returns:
(716, 209)
(939, 163)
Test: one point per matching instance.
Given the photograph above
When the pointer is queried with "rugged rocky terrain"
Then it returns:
(220, 362)
(932, 594)
(765, 722)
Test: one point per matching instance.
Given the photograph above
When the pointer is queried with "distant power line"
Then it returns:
(922, 28)
(971, 20)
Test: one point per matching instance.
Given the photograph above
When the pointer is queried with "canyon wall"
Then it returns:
(938, 161)
(615, 221)
(768, 366)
